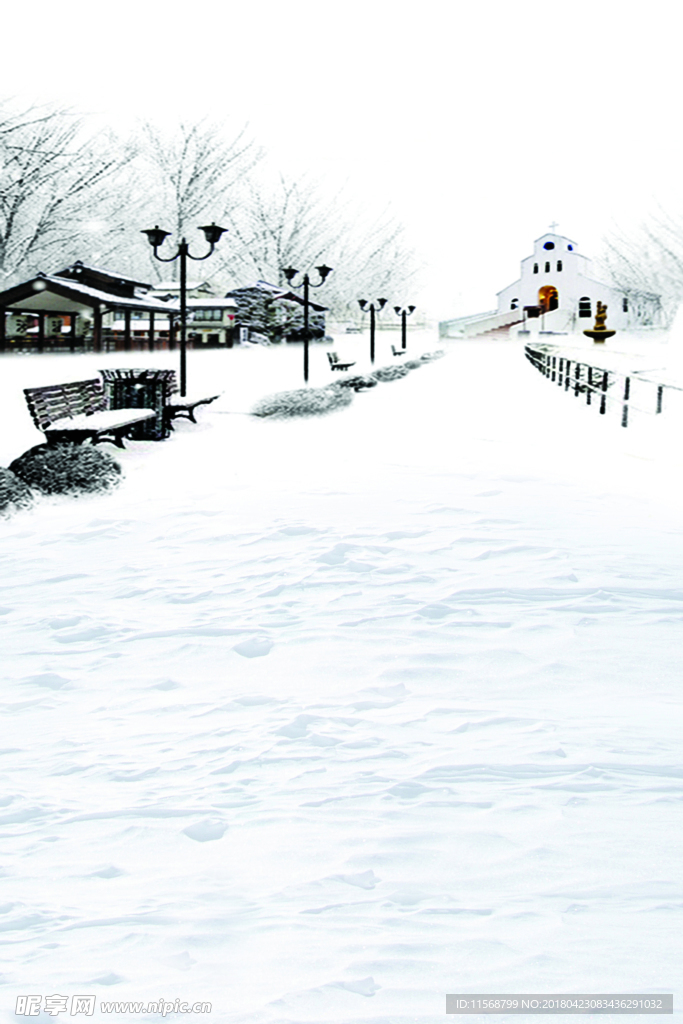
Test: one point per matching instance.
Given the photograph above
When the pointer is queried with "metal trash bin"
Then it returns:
(140, 389)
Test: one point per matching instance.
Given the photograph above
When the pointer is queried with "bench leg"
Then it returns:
(114, 439)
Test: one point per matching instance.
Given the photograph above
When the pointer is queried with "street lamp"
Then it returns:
(290, 273)
(156, 237)
(403, 313)
(365, 306)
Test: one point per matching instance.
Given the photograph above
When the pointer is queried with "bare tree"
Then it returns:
(64, 196)
(293, 223)
(649, 259)
(53, 181)
(188, 175)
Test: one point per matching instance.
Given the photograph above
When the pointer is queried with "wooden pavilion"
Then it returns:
(85, 295)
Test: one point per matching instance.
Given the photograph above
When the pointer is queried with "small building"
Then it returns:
(212, 321)
(265, 311)
(86, 307)
(560, 285)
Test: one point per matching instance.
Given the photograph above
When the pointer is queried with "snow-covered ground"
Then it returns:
(319, 720)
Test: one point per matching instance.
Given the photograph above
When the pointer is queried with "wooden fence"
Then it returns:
(601, 387)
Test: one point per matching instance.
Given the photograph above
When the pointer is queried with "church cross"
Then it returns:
(553, 226)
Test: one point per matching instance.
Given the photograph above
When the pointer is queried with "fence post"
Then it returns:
(627, 392)
(589, 388)
(577, 376)
(567, 375)
(554, 374)
(660, 393)
(560, 373)
(603, 397)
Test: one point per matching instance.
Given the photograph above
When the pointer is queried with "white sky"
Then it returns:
(478, 122)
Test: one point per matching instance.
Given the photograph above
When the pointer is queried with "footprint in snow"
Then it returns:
(364, 987)
(50, 680)
(253, 648)
(363, 880)
(108, 979)
(110, 872)
(205, 831)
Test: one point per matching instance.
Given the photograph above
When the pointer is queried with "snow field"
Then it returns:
(321, 719)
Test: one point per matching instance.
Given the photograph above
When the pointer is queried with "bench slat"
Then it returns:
(107, 419)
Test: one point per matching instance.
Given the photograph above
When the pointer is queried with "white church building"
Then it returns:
(558, 291)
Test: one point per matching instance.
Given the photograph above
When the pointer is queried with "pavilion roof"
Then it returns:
(33, 295)
(99, 277)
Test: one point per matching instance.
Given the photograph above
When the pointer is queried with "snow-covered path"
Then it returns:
(320, 720)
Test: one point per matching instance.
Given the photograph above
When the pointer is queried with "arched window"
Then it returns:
(514, 304)
(584, 306)
(535, 268)
(547, 268)
(624, 304)
(559, 266)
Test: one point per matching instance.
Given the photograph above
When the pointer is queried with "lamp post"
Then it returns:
(156, 237)
(404, 313)
(365, 306)
(290, 273)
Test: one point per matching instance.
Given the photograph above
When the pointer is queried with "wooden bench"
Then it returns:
(398, 351)
(335, 364)
(77, 412)
(183, 407)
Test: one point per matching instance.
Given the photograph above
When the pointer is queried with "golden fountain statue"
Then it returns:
(600, 332)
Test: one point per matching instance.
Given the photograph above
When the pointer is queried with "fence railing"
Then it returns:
(603, 387)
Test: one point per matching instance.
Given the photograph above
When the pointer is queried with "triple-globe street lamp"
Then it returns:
(404, 313)
(290, 273)
(365, 306)
(156, 237)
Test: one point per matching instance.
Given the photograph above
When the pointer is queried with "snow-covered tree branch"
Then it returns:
(282, 222)
(649, 259)
(53, 181)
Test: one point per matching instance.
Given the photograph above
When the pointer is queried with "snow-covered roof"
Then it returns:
(120, 301)
(174, 286)
(77, 293)
(79, 267)
(276, 292)
(211, 303)
(553, 234)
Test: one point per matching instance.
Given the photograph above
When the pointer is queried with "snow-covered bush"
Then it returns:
(390, 372)
(357, 382)
(303, 402)
(67, 469)
(14, 493)
(427, 357)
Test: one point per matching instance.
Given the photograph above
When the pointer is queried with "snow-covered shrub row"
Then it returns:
(399, 370)
(391, 372)
(315, 401)
(14, 493)
(357, 382)
(67, 469)
(303, 402)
